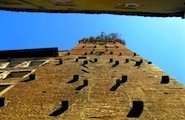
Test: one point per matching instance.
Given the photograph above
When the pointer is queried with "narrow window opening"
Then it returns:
(64, 107)
(136, 110)
(85, 71)
(85, 83)
(134, 54)
(100, 53)
(2, 102)
(138, 63)
(75, 78)
(111, 60)
(116, 63)
(2, 87)
(85, 62)
(18, 74)
(124, 79)
(36, 63)
(76, 59)
(59, 62)
(149, 62)
(114, 88)
(13, 64)
(31, 77)
(165, 80)
(91, 52)
(126, 60)
(95, 59)
(82, 57)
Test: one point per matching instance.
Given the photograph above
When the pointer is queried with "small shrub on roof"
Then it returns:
(103, 38)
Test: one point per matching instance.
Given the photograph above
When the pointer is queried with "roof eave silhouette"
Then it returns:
(144, 14)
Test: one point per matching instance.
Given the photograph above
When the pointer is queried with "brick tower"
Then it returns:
(99, 80)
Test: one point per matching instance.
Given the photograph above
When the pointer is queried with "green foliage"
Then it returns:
(102, 43)
(103, 38)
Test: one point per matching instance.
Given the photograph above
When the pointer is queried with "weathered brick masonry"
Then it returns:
(90, 82)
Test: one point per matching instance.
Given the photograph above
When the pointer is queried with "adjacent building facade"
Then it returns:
(157, 8)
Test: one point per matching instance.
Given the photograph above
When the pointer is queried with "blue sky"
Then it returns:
(160, 40)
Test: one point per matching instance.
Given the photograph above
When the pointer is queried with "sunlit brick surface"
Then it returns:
(38, 98)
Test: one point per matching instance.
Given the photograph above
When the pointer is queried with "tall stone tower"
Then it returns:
(96, 80)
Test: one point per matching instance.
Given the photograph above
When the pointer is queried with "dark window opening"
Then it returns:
(2, 87)
(59, 62)
(65, 106)
(95, 59)
(82, 86)
(116, 63)
(165, 80)
(13, 64)
(31, 77)
(149, 62)
(85, 71)
(76, 60)
(126, 60)
(85, 62)
(136, 110)
(36, 63)
(115, 87)
(82, 57)
(138, 63)
(124, 79)
(75, 78)
(111, 60)
(18, 74)
(134, 54)
(91, 52)
(2, 102)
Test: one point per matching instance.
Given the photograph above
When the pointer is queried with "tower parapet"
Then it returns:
(103, 38)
